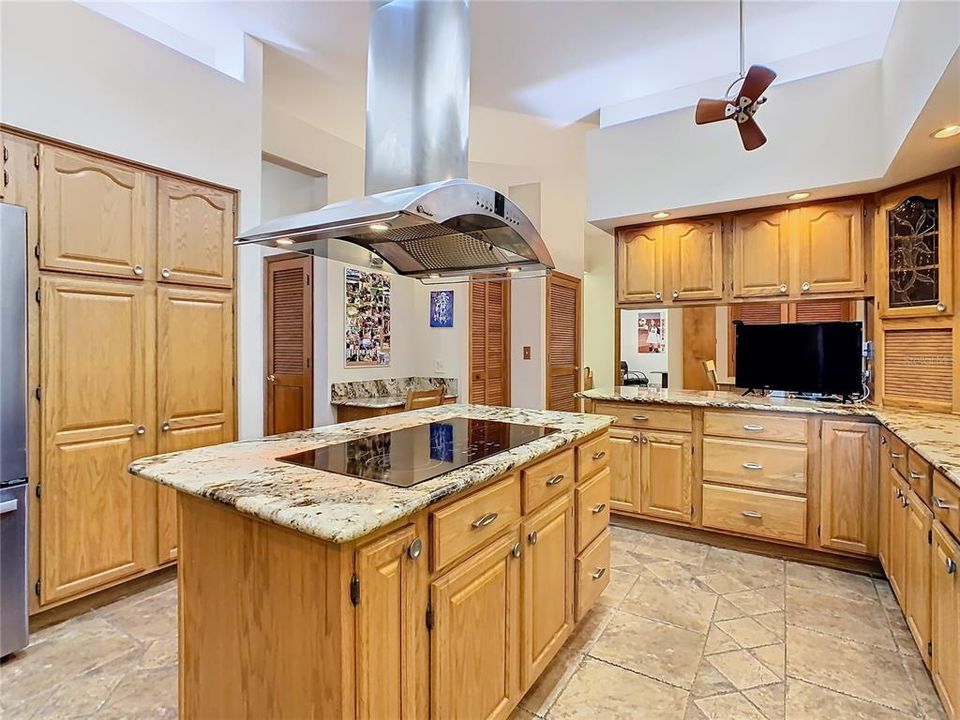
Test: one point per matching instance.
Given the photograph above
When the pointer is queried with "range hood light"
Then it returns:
(513, 270)
(379, 227)
(284, 242)
(434, 275)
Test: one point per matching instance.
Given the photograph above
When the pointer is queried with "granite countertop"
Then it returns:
(934, 436)
(245, 475)
(387, 401)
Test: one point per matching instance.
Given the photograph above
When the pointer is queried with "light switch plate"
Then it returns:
(526, 352)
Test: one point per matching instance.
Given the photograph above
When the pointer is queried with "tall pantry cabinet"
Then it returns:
(131, 353)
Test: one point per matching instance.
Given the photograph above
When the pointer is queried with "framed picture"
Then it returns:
(366, 319)
(441, 308)
(652, 332)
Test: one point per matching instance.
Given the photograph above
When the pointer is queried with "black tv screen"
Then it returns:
(801, 357)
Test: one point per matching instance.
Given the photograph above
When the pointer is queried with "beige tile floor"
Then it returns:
(684, 631)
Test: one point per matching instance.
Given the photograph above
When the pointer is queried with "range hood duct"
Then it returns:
(419, 214)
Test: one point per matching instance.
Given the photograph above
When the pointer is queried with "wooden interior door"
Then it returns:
(194, 234)
(696, 259)
(195, 393)
(699, 344)
(830, 242)
(94, 404)
(666, 476)
(848, 486)
(564, 309)
(289, 342)
(640, 265)
(490, 343)
(761, 254)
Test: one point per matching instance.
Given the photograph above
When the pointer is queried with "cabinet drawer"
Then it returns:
(897, 453)
(466, 524)
(946, 502)
(592, 573)
(641, 415)
(593, 508)
(764, 465)
(592, 456)
(755, 426)
(750, 512)
(547, 479)
(918, 475)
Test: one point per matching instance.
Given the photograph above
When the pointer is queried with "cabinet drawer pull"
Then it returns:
(598, 508)
(751, 427)
(915, 475)
(896, 455)
(640, 418)
(600, 455)
(598, 574)
(484, 520)
(753, 466)
(555, 479)
(416, 547)
(942, 504)
(752, 514)
(951, 566)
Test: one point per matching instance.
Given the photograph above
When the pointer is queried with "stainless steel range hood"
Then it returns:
(415, 217)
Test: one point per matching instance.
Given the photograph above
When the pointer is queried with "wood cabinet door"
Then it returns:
(830, 245)
(195, 394)
(92, 215)
(94, 515)
(640, 265)
(761, 248)
(475, 640)
(547, 591)
(945, 626)
(897, 546)
(195, 230)
(848, 486)
(390, 627)
(919, 521)
(666, 476)
(695, 257)
(884, 506)
(624, 470)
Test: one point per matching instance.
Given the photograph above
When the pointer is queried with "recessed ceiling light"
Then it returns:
(379, 227)
(946, 132)
(660, 215)
(798, 196)
(284, 241)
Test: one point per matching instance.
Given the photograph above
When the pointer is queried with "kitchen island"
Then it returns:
(310, 593)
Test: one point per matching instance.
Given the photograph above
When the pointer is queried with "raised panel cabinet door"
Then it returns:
(695, 253)
(475, 640)
(624, 470)
(666, 476)
(830, 244)
(94, 515)
(885, 506)
(919, 521)
(547, 592)
(92, 215)
(195, 394)
(761, 247)
(389, 626)
(897, 549)
(195, 230)
(945, 625)
(640, 265)
(848, 486)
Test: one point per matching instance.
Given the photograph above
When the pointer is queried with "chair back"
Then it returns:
(710, 368)
(419, 399)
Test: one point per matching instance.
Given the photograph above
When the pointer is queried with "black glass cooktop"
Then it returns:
(411, 455)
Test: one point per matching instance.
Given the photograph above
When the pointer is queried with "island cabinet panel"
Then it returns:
(640, 265)
(919, 522)
(592, 573)
(945, 625)
(767, 466)
(761, 254)
(897, 542)
(624, 470)
(92, 215)
(666, 476)
(696, 259)
(194, 234)
(830, 247)
(848, 486)
(94, 423)
(547, 590)
(754, 513)
(885, 507)
(475, 639)
(390, 627)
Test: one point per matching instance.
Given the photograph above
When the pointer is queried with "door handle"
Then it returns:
(271, 378)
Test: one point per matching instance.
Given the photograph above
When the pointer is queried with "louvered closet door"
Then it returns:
(490, 343)
(563, 342)
(289, 381)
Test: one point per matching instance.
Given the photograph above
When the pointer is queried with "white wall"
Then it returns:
(285, 190)
(598, 304)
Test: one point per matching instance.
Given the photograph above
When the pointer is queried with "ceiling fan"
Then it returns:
(744, 106)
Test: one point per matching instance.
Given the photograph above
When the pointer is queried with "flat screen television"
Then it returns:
(823, 358)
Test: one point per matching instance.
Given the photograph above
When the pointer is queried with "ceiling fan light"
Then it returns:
(798, 196)
(946, 132)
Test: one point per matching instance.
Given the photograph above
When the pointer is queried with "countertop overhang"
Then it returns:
(246, 475)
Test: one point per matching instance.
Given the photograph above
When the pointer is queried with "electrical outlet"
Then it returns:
(438, 366)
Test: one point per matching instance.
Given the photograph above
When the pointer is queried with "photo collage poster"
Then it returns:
(367, 319)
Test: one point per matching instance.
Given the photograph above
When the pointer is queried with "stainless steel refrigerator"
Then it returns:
(13, 428)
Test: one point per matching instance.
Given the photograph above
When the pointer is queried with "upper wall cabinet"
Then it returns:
(914, 232)
(696, 259)
(92, 215)
(195, 234)
(640, 265)
(761, 248)
(830, 247)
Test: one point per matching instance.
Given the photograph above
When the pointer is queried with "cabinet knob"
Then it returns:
(517, 550)
(805, 286)
(783, 287)
(165, 427)
(636, 438)
(941, 307)
(676, 294)
(951, 566)
(658, 295)
(165, 273)
(532, 537)
(416, 547)
(137, 270)
(643, 440)
(141, 429)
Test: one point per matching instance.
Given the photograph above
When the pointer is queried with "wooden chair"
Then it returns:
(418, 399)
(710, 367)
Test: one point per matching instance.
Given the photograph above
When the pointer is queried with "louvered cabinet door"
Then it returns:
(761, 254)
(563, 342)
(289, 381)
(918, 367)
(195, 396)
(490, 343)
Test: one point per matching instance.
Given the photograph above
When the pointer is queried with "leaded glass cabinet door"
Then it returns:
(915, 230)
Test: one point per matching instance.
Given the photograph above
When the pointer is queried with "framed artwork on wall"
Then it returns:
(652, 332)
(366, 319)
(441, 308)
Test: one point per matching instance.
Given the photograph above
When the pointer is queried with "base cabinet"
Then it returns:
(918, 538)
(945, 616)
(624, 470)
(848, 486)
(666, 476)
(897, 542)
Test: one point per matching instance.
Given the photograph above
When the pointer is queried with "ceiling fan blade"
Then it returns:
(751, 134)
(758, 79)
(709, 111)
